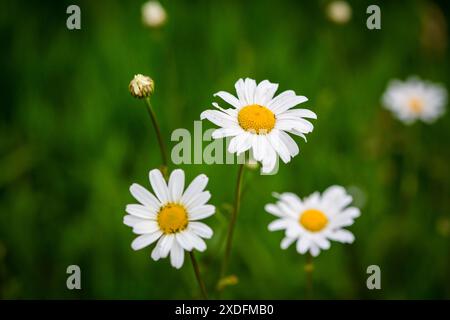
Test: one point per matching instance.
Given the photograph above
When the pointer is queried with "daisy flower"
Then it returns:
(170, 216)
(315, 220)
(415, 99)
(261, 122)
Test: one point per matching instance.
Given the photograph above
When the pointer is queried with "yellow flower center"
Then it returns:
(172, 218)
(256, 118)
(416, 105)
(313, 220)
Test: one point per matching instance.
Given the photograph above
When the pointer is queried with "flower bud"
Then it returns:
(141, 86)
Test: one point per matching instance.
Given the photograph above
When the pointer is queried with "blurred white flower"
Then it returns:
(260, 122)
(170, 217)
(415, 99)
(153, 14)
(315, 220)
(339, 11)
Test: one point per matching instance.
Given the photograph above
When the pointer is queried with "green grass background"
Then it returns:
(72, 140)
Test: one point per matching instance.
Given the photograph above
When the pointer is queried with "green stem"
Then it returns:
(162, 146)
(309, 268)
(237, 202)
(198, 276)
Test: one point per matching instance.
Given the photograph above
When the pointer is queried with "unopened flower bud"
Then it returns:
(141, 86)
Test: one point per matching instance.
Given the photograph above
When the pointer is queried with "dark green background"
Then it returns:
(72, 140)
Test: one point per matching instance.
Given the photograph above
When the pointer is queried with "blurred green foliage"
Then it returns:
(72, 140)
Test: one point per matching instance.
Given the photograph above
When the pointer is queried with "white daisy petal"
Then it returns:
(313, 200)
(342, 235)
(130, 220)
(333, 193)
(280, 99)
(166, 244)
(260, 91)
(297, 133)
(232, 147)
(250, 89)
(351, 212)
(155, 254)
(259, 146)
(303, 245)
(299, 125)
(197, 242)
(278, 224)
(201, 212)
(176, 256)
(219, 118)
(144, 196)
(275, 210)
(290, 144)
(140, 211)
(229, 111)
(267, 166)
(159, 185)
(287, 103)
(145, 240)
(226, 132)
(341, 221)
(243, 143)
(198, 200)
(184, 240)
(314, 250)
(336, 197)
(270, 159)
(197, 185)
(146, 227)
(279, 146)
(156, 251)
(294, 231)
(322, 242)
(287, 209)
(291, 199)
(176, 185)
(201, 229)
(264, 92)
(300, 113)
(240, 90)
(286, 242)
(229, 98)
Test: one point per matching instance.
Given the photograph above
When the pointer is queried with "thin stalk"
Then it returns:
(162, 146)
(309, 268)
(198, 276)
(237, 203)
